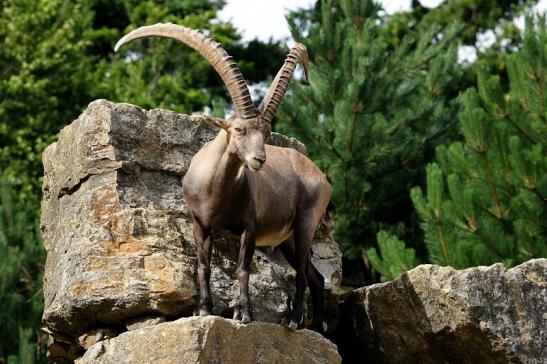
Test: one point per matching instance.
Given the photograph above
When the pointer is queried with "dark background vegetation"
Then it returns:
(432, 159)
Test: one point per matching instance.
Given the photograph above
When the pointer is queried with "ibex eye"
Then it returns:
(238, 130)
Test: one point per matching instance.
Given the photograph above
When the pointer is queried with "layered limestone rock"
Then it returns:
(117, 231)
(213, 340)
(435, 314)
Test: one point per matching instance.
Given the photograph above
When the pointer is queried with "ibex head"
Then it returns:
(249, 128)
(246, 137)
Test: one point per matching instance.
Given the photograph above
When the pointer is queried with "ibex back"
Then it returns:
(236, 186)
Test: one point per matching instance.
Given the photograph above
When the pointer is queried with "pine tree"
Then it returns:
(371, 115)
(476, 17)
(394, 257)
(486, 196)
(163, 73)
(21, 264)
(44, 76)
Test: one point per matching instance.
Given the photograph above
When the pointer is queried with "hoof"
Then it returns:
(237, 313)
(293, 325)
(246, 319)
(319, 326)
(202, 311)
(242, 315)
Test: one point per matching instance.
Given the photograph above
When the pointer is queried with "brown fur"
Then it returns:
(279, 204)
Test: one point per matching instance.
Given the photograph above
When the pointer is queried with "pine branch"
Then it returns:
(490, 183)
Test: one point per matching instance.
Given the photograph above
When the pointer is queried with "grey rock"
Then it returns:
(117, 231)
(281, 140)
(140, 322)
(93, 336)
(435, 314)
(213, 340)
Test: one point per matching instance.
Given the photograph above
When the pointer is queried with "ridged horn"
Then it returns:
(273, 98)
(212, 51)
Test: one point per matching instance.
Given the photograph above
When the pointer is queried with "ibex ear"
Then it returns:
(211, 120)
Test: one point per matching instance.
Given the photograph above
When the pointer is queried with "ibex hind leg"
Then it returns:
(316, 282)
(287, 248)
(297, 252)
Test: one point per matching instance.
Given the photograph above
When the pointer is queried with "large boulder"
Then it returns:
(213, 340)
(435, 314)
(117, 231)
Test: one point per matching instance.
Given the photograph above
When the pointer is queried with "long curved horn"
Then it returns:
(212, 51)
(273, 98)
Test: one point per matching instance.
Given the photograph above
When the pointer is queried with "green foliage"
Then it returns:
(372, 114)
(57, 56)
(395, 257)
(44, 79)
(21, 264)
(477, 15)
(27, 349)
(162, 72)
(485, 199)
(476, 18)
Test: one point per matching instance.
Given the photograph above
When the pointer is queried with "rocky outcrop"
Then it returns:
(213, 340)
(118, 235)
(435, 314)
(121, 270)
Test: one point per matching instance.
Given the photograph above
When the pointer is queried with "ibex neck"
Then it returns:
(228, 171)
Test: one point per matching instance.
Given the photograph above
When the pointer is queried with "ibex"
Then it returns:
(236, 186)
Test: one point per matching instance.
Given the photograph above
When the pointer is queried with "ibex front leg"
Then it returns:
(243, 271)
(204, 244)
